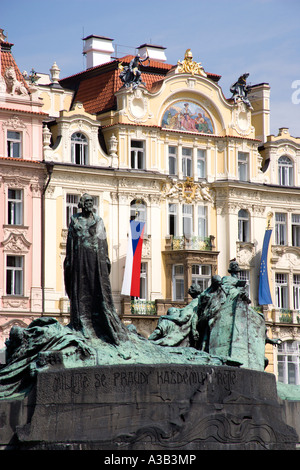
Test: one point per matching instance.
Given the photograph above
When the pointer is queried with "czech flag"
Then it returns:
(264, 294)
(132, 275)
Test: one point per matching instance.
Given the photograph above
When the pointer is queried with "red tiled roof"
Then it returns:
(7, 60)
(27, 111)
(95, 88)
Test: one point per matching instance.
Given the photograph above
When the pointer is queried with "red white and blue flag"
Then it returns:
(132, 275)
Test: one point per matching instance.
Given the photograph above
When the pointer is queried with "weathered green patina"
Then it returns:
(216, 328)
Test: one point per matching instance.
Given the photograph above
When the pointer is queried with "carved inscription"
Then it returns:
(81, 381)
(226, 379)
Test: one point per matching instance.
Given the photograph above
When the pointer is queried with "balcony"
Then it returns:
(193, 243)
(282, 315)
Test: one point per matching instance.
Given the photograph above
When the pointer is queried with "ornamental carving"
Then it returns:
(187, 65)
(16, 243)
(188, 190)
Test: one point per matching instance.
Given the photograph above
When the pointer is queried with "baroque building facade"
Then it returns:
(21, 194)
(201, 170)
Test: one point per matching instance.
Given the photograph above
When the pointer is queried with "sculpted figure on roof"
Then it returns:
(240, 90)
(188, 65)
(131, 74)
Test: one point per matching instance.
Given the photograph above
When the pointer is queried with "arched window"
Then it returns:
(138, 211)
(243, 226)
(288, 360)
(79, 149)
(285, 171)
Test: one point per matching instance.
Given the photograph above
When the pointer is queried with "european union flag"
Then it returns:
(264, 294)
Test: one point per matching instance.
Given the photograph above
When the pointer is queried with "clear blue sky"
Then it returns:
(229, 37)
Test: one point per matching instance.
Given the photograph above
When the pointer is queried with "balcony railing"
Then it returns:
(286, 316)
(193, 243)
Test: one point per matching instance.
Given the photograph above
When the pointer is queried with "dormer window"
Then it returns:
(285, 171)
(79, 149)
(13, 144)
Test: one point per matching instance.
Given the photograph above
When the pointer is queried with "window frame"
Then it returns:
(13, 281)
(12, 143)
(201, 162)
(285, 171)
(201, 279)
(82, 146)
(243, 226)
(173, 219)
(243, 164)
(187, 162)
(187, 219)
(177, 281)
(137, 155)
(282, 290)
(15, 207)
(287, 356)
(281, 229)
(172, 159)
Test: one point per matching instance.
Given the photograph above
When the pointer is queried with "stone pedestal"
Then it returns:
(148, 407)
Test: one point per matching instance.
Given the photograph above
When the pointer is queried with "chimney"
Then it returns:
(98, 50)
(156, 53)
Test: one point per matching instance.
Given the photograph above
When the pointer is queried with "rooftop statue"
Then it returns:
(131, 74)
(240, 90)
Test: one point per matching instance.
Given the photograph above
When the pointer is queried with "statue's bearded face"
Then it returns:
(88, 204)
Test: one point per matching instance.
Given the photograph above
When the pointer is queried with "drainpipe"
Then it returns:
(49, 168)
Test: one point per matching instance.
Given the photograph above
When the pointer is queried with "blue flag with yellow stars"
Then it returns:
(264, 294)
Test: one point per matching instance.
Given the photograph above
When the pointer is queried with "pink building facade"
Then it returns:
(22, 179)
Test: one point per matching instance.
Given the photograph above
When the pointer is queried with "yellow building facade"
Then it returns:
(200, 169)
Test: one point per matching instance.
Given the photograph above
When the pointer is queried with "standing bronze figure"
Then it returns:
(86, 271)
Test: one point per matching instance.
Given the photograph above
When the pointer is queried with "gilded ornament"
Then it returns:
(190, 66)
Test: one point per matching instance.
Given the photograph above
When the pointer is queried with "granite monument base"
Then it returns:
(148, 407)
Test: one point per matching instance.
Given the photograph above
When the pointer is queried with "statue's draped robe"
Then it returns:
(87, 269)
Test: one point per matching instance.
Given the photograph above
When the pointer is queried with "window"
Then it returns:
(288, 362)
(13, 144)
(280, 229)
(137, 155)
(178, 282)
(14, 275)
(296, 291)
(72, 201)
(138, 212)
(243, 159)
(296, 229)
(187, 220)
(244, 275)
(281, 289)
(71, 206)
(172, 160)
(243, 226)
(15, 207)
(201, 275)
(79, 149)
(173, 219)
(143, 281)
(202, 221)
(187, 161)
(285, 171)
(201, 163)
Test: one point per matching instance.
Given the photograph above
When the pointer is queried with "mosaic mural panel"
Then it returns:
(187, 116)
